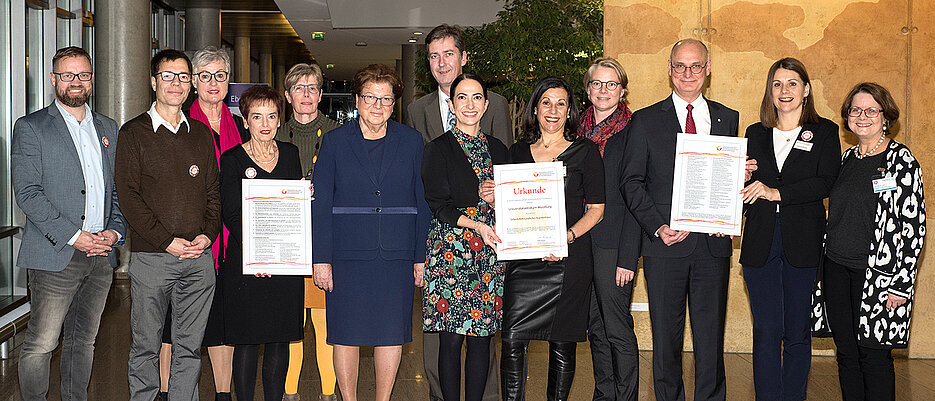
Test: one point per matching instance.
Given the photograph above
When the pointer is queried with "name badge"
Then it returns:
(884, 184)
(806, 146)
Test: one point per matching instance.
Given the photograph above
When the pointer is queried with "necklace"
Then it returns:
(214, 121)
(858, 155)
(257, 159)
(788, 138)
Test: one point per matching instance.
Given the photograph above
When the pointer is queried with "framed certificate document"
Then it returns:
(530, 210)
(277, 227)
(709, 172)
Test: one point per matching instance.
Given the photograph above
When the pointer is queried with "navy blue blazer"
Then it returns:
(362, 211)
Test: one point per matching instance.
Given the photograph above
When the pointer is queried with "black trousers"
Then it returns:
(700, 280)
(614, 350)
(866, 374)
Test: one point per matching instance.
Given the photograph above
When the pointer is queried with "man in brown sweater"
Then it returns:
(167, 183)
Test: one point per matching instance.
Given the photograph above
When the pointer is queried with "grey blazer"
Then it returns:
(423, 115)
(49, 186)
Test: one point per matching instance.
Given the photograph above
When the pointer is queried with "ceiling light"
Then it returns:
(417, 33)
(361, 44)
(413, 40)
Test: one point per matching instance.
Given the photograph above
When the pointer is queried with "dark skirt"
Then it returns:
(549, 300)
(371, 303)
(260, 310)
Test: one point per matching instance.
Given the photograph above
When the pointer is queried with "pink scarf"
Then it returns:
(230, 137)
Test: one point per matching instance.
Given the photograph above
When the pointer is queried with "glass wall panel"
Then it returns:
(34, 62)
(6, 111)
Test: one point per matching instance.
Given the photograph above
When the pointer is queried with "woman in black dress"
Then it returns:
(261, 310)
(548, 299)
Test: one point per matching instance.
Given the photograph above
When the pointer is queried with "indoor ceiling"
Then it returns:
(285, 27)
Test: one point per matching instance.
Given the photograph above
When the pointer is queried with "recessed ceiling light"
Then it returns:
(417, 33)
(361, 43)
(413, 40)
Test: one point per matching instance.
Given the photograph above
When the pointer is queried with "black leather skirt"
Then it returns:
(549, 300)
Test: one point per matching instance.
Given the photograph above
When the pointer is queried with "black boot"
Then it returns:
(222, 397)
(561, 369)
(162, 397)
(513, 369)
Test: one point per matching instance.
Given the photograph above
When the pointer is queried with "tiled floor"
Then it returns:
(915, 378)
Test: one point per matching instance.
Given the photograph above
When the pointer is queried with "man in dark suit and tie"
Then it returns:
(430, 116)
(679, 266)
(63, 175)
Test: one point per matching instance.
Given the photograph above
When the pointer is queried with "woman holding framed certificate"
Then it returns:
(548, 299)
(797, 154)
(260, 310)
(462, 297)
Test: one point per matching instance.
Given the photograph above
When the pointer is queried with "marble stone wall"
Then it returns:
(841, 42)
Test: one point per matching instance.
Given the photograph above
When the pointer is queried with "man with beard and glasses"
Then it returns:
(63, 175)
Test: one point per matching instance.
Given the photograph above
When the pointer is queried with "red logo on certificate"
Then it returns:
(193, 170)
(283, 191)
(250, 172)
(105, 141)
(535, 174)
(807, 136)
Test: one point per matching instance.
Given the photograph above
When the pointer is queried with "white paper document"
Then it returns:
(530, 212)
(709, 174)
(277, 227)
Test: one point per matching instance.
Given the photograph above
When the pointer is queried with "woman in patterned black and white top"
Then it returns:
(876, 227)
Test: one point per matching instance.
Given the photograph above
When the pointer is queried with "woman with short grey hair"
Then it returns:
(211, 67)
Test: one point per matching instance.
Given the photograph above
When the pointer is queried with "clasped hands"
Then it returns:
(95, 244)
(184, 249)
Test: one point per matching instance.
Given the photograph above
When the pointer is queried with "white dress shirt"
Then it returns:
(443, 108)
(84, 136)
(700, 114)
(158, 120)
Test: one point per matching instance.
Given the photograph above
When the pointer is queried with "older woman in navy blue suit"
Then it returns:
(370, 226)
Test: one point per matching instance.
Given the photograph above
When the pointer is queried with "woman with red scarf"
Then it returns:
(614, 241)
(211, 68)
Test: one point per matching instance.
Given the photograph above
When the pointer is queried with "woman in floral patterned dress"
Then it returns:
(463, 280)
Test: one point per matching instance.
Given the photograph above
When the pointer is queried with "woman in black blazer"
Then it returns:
(463, 279)
(797, 154)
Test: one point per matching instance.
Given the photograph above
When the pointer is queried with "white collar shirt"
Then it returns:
(700, 114)
(158, 120)
(443, 109)
(84, 135)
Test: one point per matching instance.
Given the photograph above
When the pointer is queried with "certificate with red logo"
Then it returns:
(530, 212)
(709, 174)
(277, 227)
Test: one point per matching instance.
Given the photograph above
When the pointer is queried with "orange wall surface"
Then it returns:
(841, 42)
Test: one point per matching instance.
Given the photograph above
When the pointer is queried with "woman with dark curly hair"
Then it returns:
(548, 299)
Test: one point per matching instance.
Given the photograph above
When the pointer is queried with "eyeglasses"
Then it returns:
(204, 76)
(695, 68)
(311, 89)
(70, 76)
(384, 101)
(610, 85)
(870, 112)
(169, 76)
